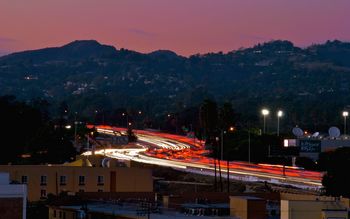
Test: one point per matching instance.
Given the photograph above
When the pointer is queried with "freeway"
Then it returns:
(188, 154)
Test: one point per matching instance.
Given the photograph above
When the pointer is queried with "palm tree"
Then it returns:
(209, 122)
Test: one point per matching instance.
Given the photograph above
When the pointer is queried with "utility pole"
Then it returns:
(227, 166)
(75, 129)
(222, 144)
(75, 133)
(248, 145)
(221, 185)
(228, 175)
(215, 180)
(279, 115)
(219, 163)
(88, 142)
(176, 121)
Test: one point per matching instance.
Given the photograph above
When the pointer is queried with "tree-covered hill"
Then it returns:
(311, 84)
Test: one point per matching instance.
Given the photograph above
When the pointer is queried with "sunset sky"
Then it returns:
(184, 26)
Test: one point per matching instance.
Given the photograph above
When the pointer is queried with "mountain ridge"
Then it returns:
(89, 75)
(73, 50)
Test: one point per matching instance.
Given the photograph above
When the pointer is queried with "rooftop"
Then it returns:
(132, 210)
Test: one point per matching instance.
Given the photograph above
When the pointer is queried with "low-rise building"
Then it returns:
(317, 209)
(248, 207)
(104, 210)
(54, 179)
(13, 199)
(294, 206)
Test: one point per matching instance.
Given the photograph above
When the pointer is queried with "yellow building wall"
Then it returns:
(127, 179)
(297, 209)
(302, 197)
(335, 214)
(238, 208)
(67, 214)
(300, 209)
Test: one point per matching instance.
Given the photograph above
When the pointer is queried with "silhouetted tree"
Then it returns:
(227, 116)
(209, 120)
(26, 130)
(336, 181)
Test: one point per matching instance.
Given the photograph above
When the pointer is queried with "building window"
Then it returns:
(100, 180)
(60, 214)
(54, 213)
(81, 180)
(43, 180)
(64, 215)
(81, 190)
(100, 190)
(24, 179)
(63, 180)
(43, 193)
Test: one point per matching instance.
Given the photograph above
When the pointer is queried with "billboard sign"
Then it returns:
(310, 146)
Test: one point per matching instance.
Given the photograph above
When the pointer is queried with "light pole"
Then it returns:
(265, 112)
(138, 119)
(75, 133)
(345, 115)
(222, 144)
(248, 146)
(174, 116)
(279, 115)
(231, 129)
(96, 112)
(127, 119)
(75, 129)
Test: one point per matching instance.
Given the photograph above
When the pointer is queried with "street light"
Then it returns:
(345, 115)
(265, 112)
(75, 129)
(222, 133)
(230, 129)
(127, 118)
(279, 115)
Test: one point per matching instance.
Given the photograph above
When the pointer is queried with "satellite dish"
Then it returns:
(334, 132)
(105, 162)
(297, 132)
(316, 134)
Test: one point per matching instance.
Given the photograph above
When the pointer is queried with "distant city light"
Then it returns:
(68, 126)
